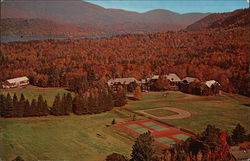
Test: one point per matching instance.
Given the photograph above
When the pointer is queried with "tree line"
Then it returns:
(94, 100)
(211, 144)
(12, 107)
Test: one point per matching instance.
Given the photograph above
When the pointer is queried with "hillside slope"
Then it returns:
(238, 18)
(41, 27)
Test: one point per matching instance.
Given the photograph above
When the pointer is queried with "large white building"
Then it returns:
(15, 82)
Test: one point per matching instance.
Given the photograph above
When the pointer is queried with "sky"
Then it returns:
(179, 6)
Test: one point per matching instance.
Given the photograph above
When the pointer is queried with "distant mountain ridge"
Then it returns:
(83, 14)
(41, 27)
(237, 18)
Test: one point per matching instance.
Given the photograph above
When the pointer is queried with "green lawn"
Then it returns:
(161, 95)
(223, 111)
(62, 138)
(87, 138)
(32, 92)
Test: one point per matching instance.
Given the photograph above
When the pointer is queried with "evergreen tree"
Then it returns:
(143, 149)
(100, 99)
(56, 108)
(63, 108)
(210, 137)
(40, 105)
(239, 134)
(2, 105)
(45, 108)
(27, 109)
(33, 108)
(120, 98)
(108, 102)
(76, 105)
(92, 107)
(15, 105)
(113, 122)
(8, 106)
(85, 104)
(21, 106)
(69, 103)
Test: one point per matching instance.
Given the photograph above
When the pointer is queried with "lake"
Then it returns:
(13, 38)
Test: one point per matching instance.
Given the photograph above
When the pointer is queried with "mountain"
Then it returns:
(222, 20)
(41, 27)
(84, 14)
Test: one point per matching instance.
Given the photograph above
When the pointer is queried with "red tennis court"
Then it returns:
(164, 135)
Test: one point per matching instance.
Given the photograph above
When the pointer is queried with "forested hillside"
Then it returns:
(212, 54)
(42, 27)
(222, 20)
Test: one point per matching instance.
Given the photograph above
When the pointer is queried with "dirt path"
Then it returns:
(180, 113)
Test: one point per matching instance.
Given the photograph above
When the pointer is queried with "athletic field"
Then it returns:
(164, 135)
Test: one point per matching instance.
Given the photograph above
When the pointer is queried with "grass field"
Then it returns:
(161, 112)
(224, 111)
(83, 138)
(151, 96)
(32, 92)
(87, 138)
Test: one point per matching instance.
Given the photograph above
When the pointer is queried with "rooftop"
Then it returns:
(211, 82)
(19, 79)
(173, 77)
(122, 80)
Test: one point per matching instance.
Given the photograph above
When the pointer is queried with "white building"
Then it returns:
(15, 82)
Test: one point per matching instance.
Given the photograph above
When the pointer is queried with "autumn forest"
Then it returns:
(219, 54)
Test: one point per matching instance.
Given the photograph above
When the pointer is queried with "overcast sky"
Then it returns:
(179, 6)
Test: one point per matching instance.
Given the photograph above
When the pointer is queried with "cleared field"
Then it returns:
(64, 138)
(32, 92)
(161, 112)
(162, 95)
(224, 111)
